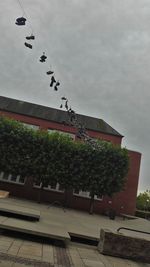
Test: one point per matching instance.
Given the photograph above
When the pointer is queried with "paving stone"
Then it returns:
(30, 250)
(104, 260)
(18, 242)
(88, 254)
(22, 265)
(92, 263)
(6, 264)
(77, 261)
(118, 262)
(48, 253)
(6, 238)
(13, 250)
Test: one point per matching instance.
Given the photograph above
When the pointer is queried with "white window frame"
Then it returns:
(61, 132)
(9, 179)
(30, 126)
(49, 188)
(86, 194)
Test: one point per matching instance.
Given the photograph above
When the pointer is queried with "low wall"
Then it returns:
(119, 245)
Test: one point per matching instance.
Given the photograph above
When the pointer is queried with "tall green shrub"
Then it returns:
(55, 158)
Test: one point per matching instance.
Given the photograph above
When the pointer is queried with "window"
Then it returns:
(61, 132)
(30, 126)
(54, 187)
(7, 177)
(81, 193)
(86, 194)
(99, 197)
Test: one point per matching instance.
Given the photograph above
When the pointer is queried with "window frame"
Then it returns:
(88, 195)
(17, 181)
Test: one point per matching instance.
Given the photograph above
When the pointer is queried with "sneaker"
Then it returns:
(31, 37)
(28, 45)
(20, 23)
(49, 72)
(21, 19)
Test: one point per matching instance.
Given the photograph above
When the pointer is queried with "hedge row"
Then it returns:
(51, 158)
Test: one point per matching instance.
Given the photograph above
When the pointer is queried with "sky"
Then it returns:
(99, 51)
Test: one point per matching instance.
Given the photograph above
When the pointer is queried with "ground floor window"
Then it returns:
(7, 177)
(86, 194)
(54, 187)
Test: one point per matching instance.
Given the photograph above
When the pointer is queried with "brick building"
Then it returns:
(50, 119)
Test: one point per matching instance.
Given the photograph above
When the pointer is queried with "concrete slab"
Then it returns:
(4, 194)
(35, 228)
(9, 209)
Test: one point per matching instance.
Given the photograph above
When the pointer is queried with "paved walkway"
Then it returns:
(15, 251)
(78, 222)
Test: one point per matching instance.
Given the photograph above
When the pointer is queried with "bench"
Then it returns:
(126, 216)
(17, 211)
(119, 245)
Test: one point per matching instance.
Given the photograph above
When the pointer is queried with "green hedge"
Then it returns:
(51, 158)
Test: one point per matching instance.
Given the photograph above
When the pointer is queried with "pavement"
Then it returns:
(17, 251)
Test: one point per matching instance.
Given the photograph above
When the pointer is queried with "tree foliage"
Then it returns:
(143, 201)
(52, 158)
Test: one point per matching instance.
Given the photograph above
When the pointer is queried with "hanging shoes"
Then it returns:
(66, 104)
(63, 98)
(28, 45)
(49, 72)
(43, 58)
(56, 86)
(20, 21)
(58, 83)
(31, 37)
(52, 81)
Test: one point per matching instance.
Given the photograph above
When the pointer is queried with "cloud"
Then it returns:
(99, 51)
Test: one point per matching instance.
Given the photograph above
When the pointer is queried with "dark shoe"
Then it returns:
(63, 98)
(43, 57)
(21, 23)
(52, 81)
(49, 72)
(58, 83)
(31, 37)
(28, 45)
(21, 19)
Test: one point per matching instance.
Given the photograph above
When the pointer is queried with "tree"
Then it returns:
(143, 201)
(107, 171)
(55, 158)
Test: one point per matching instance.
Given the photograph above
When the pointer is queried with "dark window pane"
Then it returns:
(76, 191)
(22, 179)
(13, 178)
(5, 176)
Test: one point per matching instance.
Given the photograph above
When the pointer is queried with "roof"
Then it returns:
(52, 114)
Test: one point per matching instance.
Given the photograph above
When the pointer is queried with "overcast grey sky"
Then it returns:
(100, 52)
